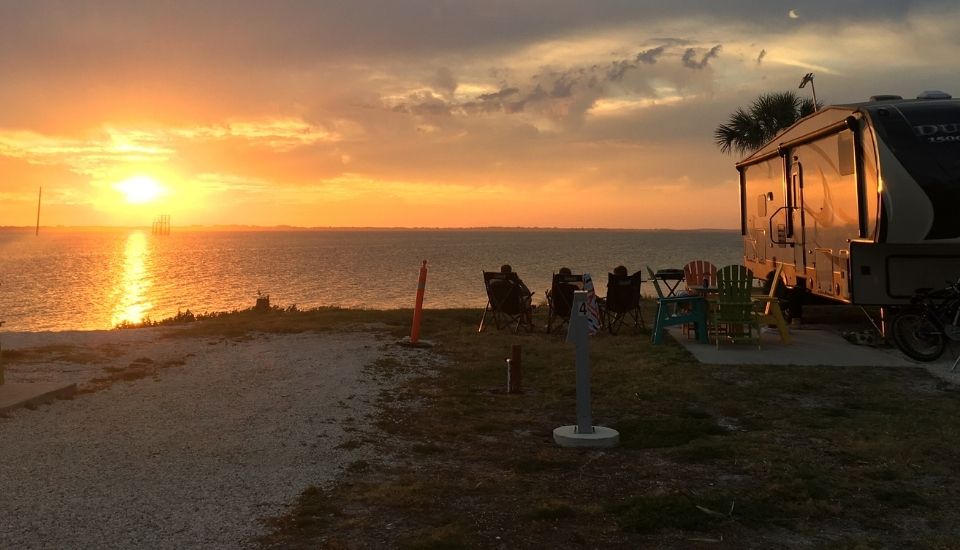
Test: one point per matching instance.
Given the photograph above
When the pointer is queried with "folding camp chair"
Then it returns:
(506, 301)
(623, 301)
(560, 299)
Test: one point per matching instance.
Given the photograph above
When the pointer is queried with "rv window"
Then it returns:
(845, 153)
(762, 205)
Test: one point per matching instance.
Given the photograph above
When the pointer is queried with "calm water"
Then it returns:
(65, 280)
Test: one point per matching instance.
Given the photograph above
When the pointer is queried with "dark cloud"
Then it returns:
(618, 69)
(561, 94)
(650, 56)
(763, 53)
(424, 103)
(690, 61)
(563, 86)
(498, 96)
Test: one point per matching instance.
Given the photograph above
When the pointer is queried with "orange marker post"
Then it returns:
(418, 309)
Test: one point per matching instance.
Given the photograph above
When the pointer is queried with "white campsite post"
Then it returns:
(583, 433)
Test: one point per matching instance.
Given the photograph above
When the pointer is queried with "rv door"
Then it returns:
(797, 224)
(782, 221)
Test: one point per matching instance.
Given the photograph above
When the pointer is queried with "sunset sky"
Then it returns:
(421, 113)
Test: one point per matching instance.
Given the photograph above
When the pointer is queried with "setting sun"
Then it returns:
(139, 189)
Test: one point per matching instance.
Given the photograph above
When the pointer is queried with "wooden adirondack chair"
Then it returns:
(696, 271)
(695, 274)
(770, 312)
(693, 310)
(735, 314)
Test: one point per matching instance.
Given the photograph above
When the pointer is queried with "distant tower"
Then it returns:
(161, 225)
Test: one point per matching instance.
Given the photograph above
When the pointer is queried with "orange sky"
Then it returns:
(419, 113)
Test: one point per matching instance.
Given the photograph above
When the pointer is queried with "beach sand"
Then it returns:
(219, 434)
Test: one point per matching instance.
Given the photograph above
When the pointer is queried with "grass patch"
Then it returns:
(554, 510)
(652, 513)
(240, 323)
(55, 353)
(449, 536)
(427, 449)
(666, 431)
(757, 456)
(358, 466)
(898, 498)
(706, 451)
(314, 512)
(138, 369)
(350, 444)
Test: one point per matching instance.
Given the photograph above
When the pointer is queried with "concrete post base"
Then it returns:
(567, 436)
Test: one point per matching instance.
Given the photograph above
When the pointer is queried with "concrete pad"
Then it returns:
(809, 347)
(601, 438)
(14, 396)
(813, 345)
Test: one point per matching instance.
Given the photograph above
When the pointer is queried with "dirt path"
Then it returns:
(190, 455)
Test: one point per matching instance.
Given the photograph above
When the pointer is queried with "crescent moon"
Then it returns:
(792, 14)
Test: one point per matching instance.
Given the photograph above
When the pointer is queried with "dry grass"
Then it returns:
(139, 368)
(60, 353)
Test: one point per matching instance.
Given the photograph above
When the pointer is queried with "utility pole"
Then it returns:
(803, 83)
(39, 195)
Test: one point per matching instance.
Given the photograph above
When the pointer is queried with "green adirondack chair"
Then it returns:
(734, 316)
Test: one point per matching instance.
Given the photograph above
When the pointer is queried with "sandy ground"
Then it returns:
(194, 455)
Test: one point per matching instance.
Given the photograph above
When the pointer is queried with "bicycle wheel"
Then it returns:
(918, 337)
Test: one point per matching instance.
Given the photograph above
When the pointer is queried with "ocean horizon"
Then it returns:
(86, 279)
(236, 227)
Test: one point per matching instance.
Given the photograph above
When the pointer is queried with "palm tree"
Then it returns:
(747, 131)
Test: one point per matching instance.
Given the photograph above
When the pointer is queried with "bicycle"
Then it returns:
(922, 331)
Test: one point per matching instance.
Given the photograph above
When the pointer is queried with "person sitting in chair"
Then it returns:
(620, 270)
(525, 293)
(561, 271)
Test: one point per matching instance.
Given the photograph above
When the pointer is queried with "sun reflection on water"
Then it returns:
(132, 306)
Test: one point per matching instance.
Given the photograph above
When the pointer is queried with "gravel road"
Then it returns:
(194, 456)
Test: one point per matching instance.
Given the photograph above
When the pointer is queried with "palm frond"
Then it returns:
(748, 130)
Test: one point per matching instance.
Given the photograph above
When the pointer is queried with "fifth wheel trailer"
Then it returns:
(860, 202)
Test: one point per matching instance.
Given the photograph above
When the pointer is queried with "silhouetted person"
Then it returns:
(620, 270)
(525, 295)
(561, 271)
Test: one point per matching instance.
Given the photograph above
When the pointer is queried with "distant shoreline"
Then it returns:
(287, 228)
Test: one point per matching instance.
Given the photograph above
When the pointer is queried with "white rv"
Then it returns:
(860, 202)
